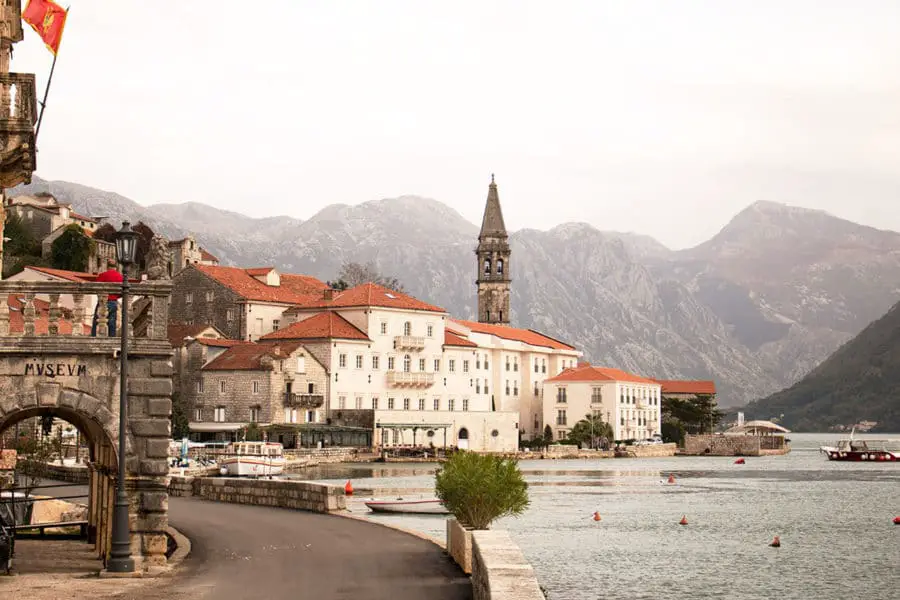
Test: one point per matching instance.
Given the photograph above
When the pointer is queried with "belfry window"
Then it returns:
(500, 266)
(487, 266)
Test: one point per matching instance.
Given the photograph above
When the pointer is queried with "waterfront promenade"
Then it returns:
(244, 552)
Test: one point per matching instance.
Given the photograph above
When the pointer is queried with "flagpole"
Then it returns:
(37, 128)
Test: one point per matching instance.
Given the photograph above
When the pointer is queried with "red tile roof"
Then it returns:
(325, 325)
(41, 318)
(67, 275)
(75, 215)
(679, 386)
(247, 356)
(528, 336)
(178, 331)
(208, 257)
(218, 342)
(294, 289)
(372, 294)
(586, 372)
(453, 339)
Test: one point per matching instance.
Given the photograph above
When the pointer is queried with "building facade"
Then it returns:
(187, 251)
(630, 403)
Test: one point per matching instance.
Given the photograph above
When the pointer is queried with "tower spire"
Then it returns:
(493, 262)
(492, 224)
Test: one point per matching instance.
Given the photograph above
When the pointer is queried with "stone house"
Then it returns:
(42, 214)
(187, 251)
(180, 336)
(244, 304)
(630, 403)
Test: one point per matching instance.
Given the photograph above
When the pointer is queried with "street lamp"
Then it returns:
(120, 560)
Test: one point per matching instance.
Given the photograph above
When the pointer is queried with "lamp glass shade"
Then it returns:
(126, 244)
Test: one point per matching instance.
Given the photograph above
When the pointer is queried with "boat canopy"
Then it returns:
(757, 428)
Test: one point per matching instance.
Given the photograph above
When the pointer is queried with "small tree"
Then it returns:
(105, 233)
(72, 249)
(548, 435)
(21, 240)
(180, 428)
(354, 273)
(478, 489)
(590, 430)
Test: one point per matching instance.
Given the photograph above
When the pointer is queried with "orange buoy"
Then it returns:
(348, 488)
(740, 461)
(776, 542)
(896, 520)
(683, 520)
(671, 479)
(597, 516)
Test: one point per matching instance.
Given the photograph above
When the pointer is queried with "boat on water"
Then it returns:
(253, 459)
(851, 449)
(429, 506)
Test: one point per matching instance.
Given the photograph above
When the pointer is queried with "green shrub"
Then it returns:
(478, 489)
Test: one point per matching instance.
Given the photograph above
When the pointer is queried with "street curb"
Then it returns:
(182, 547)
(418, 534)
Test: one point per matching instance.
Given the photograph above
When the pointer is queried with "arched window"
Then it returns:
(407, 328)
(463, 434)
(499, 266)
(407, 363)
(487, 266)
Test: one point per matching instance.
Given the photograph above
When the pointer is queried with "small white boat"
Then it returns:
(253, 459)
(430, 506)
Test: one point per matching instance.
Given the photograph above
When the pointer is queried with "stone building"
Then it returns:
(630, 403)
(244, 304)
(493, 263)
(187, 251)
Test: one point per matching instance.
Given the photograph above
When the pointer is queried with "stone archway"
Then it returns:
(463, 439)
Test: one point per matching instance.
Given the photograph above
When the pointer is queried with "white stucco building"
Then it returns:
(631, 403)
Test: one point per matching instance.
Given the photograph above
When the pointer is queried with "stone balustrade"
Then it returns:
(499, 569)
(409, 342)
(18, 101)
(280, 493)
(402, 378)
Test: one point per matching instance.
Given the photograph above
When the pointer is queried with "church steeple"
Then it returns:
(493, 263)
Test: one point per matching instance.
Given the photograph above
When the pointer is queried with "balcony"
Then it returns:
(409, 342)
(18, 115)
(402, 379)
(304, 400)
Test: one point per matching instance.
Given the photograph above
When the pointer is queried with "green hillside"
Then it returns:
(859, 382)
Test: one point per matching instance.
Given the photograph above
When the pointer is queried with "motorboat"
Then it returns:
(428, 506)
(851, 449)
(252, 459)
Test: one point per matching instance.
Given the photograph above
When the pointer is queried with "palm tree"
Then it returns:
(590, 430)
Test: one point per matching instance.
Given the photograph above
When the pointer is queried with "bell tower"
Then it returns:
(493, 263)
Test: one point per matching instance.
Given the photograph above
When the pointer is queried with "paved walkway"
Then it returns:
(252, 552)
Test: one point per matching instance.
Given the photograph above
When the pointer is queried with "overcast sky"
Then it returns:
(664, 118)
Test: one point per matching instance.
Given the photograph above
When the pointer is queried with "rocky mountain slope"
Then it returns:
(859, 382)
(756, 307)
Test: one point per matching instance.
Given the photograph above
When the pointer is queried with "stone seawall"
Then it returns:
(297, 495)
(727, 445)
(648, 451)
(68, 473)
(499, 569)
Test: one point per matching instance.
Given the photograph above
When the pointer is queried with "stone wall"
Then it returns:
(459, 545)
(298, 495)
(721, 445)
(567, 451)
(499, 569)
(649, 451)
(203, 311)
(69, 473)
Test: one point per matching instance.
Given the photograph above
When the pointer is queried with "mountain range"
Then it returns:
(755, 308)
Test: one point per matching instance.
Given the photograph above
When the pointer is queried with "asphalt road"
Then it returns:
(243, 552)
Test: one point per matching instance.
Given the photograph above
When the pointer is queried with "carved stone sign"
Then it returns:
(53, 370)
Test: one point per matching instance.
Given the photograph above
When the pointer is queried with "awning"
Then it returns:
(215, 427)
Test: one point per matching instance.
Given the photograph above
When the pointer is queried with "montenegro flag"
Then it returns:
(48, 19)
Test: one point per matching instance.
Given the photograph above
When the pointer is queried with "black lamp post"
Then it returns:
(120, 560)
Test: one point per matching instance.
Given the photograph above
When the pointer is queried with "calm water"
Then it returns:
(834, 519)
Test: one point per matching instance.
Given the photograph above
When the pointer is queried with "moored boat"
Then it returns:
(430, 506)
(253, 459)
(855, 450)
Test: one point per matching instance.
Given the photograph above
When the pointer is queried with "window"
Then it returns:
(561, 395)
(543, 365)
(465, 366)
(437, 404)
(342, 402)
(255, 387)
(596, 395)
(358, 402)
(229, 315)
(477, 361)
(390, 404)
(276, 323)
(384, 328)
(198, 415)
(290, 415)
(486, 390)
(486, 365)
(407, 364)
(421, 364)
(560, 417)
(390, 363)
(437, 365)
(301, 364)
(342, 360)
(499, 266)
(311, 388)
(537, 390)
(507, 363)
(515, 388)
(537, 365)
(451, 404)
(374, 403)
(210, 295)
(421, 403)
(429, 330)
(407, 328)
(465, 404)
(219, 414)
(200, 386)
(375, 361)
(406, 404)
(477, 386)
(359, 361)
(451, 365)
(254, 414)
(487, 266)
(222, 387)
(507, 387)
(516, 364)
(188, 297)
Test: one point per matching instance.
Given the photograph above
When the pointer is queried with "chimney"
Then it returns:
(328, 294)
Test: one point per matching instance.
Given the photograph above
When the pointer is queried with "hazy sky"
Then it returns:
(664, 118)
